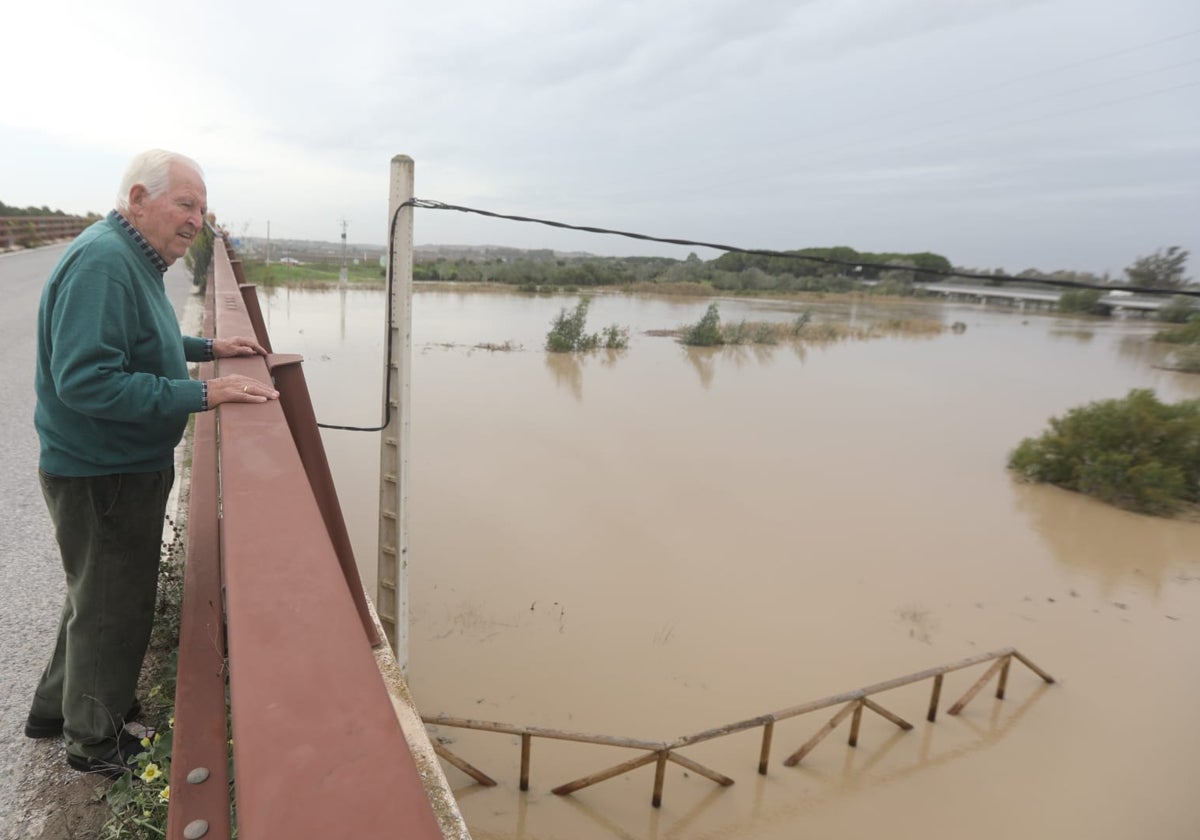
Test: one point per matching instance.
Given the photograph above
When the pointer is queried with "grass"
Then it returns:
(312, 275)
(139, 800)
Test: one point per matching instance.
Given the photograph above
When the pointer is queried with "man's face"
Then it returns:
(171, 221)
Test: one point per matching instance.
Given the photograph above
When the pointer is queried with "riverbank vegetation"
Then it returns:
(1186, 337)
(801, 272)
(710, 332)
(9, 210)
(316, 274)
(1137, 453)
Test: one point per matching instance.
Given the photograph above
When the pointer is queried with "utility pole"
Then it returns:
(392, 591)
(344, 276)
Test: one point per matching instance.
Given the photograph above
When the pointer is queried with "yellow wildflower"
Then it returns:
(145, 742)
(151, 772)
(165, 794)
(171, 721)
(157, 737)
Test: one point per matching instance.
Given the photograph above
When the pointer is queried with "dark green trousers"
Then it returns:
(109, 530)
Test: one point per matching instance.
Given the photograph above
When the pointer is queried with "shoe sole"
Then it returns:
(112, 765)
(53, 727)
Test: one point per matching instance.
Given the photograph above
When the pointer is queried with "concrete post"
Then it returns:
(392, 591)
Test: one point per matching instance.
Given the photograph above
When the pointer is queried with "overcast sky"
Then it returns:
(1052, 134)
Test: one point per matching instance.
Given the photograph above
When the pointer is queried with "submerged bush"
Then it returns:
(614, 337)
(707, 331)
(1185, 359)
(1137, 452)
(568, 333)
(1083, 300)
(1189, 333)
(1178, 310)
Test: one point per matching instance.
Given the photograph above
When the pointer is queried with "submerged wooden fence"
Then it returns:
(852, 704)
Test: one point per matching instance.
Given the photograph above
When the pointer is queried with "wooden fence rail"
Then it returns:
(852, 704)
(30, 231)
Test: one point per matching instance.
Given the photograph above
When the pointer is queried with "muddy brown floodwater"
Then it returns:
(659, 541)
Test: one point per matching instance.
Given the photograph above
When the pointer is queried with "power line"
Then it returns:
(429, 204)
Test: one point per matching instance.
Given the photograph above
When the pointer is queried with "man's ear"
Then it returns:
(138, 195)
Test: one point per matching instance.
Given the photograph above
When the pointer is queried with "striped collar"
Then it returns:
(146, 247)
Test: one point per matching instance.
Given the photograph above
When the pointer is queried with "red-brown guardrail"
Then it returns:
(31, 231)
(318, 750)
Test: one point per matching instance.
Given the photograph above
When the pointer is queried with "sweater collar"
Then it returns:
(137, 237)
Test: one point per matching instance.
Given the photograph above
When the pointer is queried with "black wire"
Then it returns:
(429, 204)
(998, 278)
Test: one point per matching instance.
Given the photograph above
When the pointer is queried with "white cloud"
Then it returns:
(771, 123)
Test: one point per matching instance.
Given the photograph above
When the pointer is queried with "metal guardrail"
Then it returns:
(318, 750)
(30, 231)
(852, 703)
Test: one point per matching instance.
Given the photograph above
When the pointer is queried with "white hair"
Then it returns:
(152, 169)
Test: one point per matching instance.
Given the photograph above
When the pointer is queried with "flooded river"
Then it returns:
(662, 540)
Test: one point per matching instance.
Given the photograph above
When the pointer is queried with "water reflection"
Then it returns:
(704, 360)
(1113, 547)
(1138, 348)
(818, 509)
(567, 368)
(1081, 335)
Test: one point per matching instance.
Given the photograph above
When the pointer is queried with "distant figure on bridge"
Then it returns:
(113, 399)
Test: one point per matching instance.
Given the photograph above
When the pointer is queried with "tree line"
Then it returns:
(8, 210)
(837, 269)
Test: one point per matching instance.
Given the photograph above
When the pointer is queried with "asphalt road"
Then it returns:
(31, 578)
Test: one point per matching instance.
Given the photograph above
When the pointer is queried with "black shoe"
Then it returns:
(40, 727)
(116, 762)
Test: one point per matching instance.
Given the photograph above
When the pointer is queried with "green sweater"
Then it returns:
(113, 391)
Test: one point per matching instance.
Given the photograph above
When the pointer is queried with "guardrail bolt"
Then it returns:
(200, 774)
(195, 829)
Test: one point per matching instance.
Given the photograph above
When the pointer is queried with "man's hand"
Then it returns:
(239, 345)
(238, 388)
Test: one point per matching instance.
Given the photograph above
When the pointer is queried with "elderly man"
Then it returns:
(113, 399)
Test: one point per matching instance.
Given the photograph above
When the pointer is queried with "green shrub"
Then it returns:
(1179, 310)
(199, 257)
(764, 334)
(739, 333)
(568, 333)
(1189, 333)
(707, 331)
(1083, 300)
(1185, 360)
(798, 325)
(614, 337)
(1137, 452)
